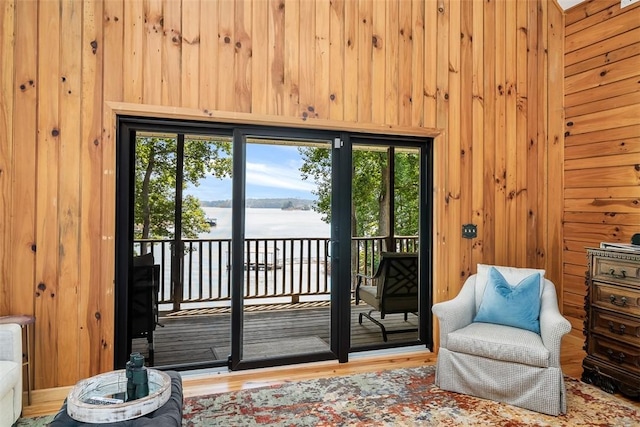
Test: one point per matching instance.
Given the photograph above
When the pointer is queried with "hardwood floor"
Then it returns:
(49, 401)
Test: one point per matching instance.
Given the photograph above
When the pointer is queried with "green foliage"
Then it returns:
(155, 183)
(369, 190)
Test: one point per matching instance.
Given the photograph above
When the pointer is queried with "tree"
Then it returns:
(155, 183)
(369, 189)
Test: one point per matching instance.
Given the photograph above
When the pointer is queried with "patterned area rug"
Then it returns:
(401, 397)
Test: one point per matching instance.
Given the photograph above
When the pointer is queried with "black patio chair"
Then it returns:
(392, 289)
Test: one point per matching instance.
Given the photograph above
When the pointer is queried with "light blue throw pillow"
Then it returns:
(517, 306)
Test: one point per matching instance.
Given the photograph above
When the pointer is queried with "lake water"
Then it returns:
(266, 223)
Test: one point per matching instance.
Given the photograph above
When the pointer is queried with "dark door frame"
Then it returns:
(127, 126)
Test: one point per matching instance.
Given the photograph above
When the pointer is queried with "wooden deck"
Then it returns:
(201, 336)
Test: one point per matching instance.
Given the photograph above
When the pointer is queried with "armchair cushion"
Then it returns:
(500, 343)
(504, 304)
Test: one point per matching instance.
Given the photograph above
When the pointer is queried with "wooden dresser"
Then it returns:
(612, 323)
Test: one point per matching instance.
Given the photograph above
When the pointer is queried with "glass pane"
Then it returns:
(287, 280)
(385, 214)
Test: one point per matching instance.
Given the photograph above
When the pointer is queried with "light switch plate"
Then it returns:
(625, 3)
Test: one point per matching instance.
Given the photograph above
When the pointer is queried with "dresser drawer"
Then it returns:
(618, 299)
(618, 354)
(616, 271)
(621, 327)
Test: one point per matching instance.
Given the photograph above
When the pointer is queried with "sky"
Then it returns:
(272, 172)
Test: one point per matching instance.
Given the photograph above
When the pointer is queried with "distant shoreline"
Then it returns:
(272, 203)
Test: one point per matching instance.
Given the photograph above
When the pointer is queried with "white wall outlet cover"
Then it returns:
(625, 3)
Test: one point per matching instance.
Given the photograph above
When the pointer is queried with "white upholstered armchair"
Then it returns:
(10, 373)
(498, 362)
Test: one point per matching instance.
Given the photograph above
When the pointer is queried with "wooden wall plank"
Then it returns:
(600, 161)
(351, 48)
(430, 87)
(190, 54)
(417, 62)
(612, 9)
(91, 163)
(47, 173)
(593, 122)
(337, 60)
(513, 194)
(405, 68)
(602, 217)
(477, 147)
(391, 63)
(209, 51)
(152, 52)
(466, 132)
(133, 50)
(610, 205)
(499, 180)
(601, 193)
(69, 187)
(379, 44)
(7, 40)
(602, 47)
(365, 55)
(588, 8)
(603, 59)
(533, 139)
(524, 252)
(489, 161)
(23, 234)
(612, 26)
(619, 133)
(307, 58)
(322, 65)
(607, 176)
(226, 56)
(632, 98)
(243, 51)
(113, 89)
(171, 56)
(607, 148)
(610, 73)
(259, 63)
(610, 90)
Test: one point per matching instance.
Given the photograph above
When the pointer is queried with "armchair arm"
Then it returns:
(11, 342)
(457, 312)
(553, 326)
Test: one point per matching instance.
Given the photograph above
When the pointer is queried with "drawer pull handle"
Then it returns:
(615, 357)
(622, 275)
(614, 301)
(620, 330)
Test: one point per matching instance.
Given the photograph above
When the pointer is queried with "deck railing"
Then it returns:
(273, 267)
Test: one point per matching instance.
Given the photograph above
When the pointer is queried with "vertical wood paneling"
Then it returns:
(321, 66)
(351, 43)
(210, 65)
(511, 193)
(275, 58)
(365, 46)
(69, 186)
(153, 23)
(379, 44)
(172, 52)
(259, 64)
(190, 54)
(405, 54)
(466, 76)
(337, 60)
(454, 145)
(533, 141)
(417, 63)
(91, 172)
(47, 220)
(242, 93)
(7, 39)
(134, 31)
(489, 165)
(226, 56)
(601, 146)
(113, 89)
(391, 61)
(477, 134)
(478, 71)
